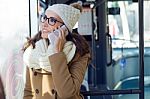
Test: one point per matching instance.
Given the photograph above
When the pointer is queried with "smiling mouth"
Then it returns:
(44, 31)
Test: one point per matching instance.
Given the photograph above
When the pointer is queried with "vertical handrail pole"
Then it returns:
(141, 49)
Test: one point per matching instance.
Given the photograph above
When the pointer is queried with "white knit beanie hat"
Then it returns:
(67, 13)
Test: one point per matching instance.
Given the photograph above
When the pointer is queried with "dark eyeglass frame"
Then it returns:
(51, 20)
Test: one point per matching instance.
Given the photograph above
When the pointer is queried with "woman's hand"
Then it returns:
(59, 44)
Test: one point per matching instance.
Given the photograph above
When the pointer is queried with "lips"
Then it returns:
(44, 31)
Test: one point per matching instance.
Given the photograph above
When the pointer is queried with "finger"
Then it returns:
(60, 34)
(63, 34)
(58, 44)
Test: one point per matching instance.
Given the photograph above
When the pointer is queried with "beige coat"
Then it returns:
(63, 83)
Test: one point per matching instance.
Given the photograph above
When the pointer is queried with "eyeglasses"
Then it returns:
(51, 21)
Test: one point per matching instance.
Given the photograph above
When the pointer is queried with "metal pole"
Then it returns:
(101, 45)
(93, 71)
(141, 49)
(111, 92)
(29, 19)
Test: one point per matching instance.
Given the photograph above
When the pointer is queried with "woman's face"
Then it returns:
(49, 22)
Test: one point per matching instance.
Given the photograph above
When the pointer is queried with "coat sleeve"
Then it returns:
(27, 90)
(68, 81)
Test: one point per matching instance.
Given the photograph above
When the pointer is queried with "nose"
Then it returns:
(45, 24)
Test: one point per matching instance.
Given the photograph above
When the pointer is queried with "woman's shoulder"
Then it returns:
(78, 59)
(78, 56)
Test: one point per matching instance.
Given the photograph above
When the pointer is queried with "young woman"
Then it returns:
(56, 58)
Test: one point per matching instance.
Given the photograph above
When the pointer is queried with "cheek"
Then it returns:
(40, 25)
(49, 28)
(52, 28)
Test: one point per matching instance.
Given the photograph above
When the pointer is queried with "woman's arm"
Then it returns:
(27, 91)
(67, 80)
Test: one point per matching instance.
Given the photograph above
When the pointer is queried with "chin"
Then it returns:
(44, 35)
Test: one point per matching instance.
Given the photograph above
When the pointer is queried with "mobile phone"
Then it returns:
(55, 34)
(64, 28)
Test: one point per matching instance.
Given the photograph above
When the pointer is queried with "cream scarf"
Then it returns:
(37, 58)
